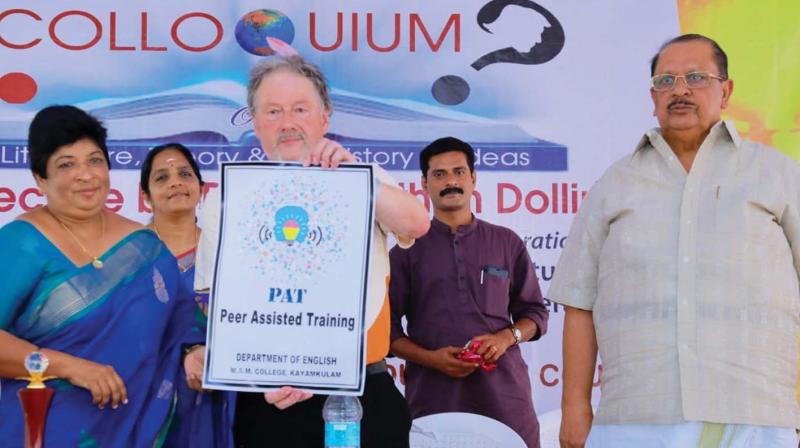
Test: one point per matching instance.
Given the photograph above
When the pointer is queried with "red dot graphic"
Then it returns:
(17, 88)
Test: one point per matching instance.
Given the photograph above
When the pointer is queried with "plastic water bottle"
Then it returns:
(342, 414)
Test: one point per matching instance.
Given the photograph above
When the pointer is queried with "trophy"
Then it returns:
(35, 399)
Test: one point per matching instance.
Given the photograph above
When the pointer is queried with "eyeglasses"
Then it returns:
(694, 80)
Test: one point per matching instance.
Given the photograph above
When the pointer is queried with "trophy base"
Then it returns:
(35, 403)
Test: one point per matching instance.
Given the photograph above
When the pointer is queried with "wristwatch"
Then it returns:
(517, 334)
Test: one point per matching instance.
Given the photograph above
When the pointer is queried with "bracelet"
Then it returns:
(516, 332)
(188, 350)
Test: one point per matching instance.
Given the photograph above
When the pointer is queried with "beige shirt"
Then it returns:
(693, 283)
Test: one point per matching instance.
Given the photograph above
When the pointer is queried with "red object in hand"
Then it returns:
(470, 354)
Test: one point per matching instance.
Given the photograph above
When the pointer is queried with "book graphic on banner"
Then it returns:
(288, 301)
(210, 119)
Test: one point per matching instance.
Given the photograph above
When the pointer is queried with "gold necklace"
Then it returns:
(97, 263)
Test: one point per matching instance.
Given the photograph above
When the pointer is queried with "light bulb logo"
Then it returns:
(291, 224)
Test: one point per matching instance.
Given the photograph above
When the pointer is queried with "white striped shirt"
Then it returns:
(693, 283)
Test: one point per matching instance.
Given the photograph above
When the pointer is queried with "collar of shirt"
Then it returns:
(652, 136)
(463, 230)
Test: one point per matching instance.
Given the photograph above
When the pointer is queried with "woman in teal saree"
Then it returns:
(94, 292)
(172, 185)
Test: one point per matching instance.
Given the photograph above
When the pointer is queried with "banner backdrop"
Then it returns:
(549, 93)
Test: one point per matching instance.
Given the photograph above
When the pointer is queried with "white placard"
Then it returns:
(289, 294)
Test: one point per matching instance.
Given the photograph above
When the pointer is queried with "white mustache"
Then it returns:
(290, 135)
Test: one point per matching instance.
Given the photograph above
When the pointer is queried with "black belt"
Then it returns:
(377, 367)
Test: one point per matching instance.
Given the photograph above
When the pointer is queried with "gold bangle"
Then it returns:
(188, 350)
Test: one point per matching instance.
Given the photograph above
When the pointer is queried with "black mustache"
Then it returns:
(677, 101)
(449, 190)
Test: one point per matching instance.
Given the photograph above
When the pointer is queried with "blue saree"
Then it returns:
(134, 314)
(202, 419)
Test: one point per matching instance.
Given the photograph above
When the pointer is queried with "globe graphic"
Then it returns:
(255, 27)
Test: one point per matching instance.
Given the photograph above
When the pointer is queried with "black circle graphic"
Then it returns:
(450, 90)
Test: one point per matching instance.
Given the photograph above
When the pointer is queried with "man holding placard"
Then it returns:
(290, 104)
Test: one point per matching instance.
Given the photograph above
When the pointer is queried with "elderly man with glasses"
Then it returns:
(682, 270)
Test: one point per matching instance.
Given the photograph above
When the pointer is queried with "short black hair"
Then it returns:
(443, 145)
(61, 125)
(147, 166)
(720, 58)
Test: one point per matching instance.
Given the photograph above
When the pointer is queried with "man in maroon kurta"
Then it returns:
(466, 280)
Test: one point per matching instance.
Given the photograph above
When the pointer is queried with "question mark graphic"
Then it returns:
(452, 89)
(552, 38)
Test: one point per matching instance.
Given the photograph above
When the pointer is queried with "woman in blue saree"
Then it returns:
(171, 185)
(96, 293)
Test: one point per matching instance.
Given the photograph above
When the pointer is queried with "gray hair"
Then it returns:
(294, 64)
